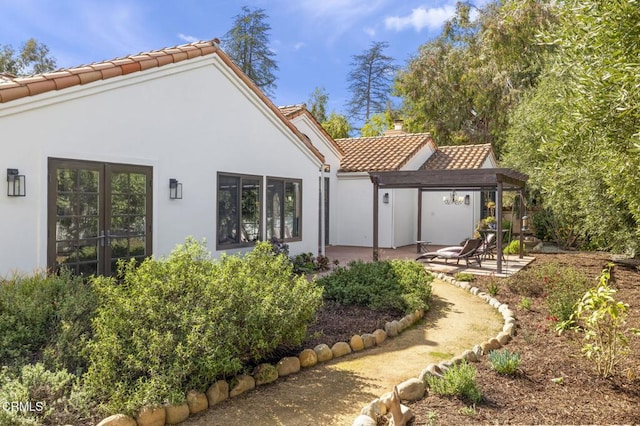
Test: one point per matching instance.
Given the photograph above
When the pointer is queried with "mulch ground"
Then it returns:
(556, 384)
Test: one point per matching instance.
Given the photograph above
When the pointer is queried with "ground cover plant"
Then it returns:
(396, 285)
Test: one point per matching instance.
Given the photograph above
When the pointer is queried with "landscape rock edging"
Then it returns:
(369, 413)
(267, 373)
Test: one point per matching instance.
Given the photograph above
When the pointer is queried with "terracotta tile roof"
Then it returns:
(293, 111)
(382, 152)
(21, 87)
(459, 157)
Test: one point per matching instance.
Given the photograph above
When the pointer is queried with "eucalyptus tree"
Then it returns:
(317, 104)
(370, 81)
(32, 58)
(247, 44)
(462, 85)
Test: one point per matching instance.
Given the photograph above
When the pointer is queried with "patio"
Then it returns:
(510, 265)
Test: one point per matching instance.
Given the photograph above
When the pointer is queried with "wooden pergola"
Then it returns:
(498, 180)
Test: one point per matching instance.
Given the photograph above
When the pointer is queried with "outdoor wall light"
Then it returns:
(385, 198)
(467, 199)
(175, 189)
(16, 184)
(453, 198)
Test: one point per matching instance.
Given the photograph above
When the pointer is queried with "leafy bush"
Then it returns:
(307, 263)
(512, 248)
(46, 317)
(464, 276)
(399, 285)
(504, 362)
(459, 380)
(42, 394)
(603, 320)
(180, 323)
(564, 289)
(525, 303)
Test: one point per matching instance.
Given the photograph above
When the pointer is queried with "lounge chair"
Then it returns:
(468, 251)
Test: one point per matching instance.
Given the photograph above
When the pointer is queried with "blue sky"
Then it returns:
(314, 40)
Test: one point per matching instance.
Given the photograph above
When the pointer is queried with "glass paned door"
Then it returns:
(128, 204)
(98, 213)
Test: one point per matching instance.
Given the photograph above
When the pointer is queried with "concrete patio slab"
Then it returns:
(510, 265)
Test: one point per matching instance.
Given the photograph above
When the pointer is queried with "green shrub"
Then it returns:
(46, 317)
(525, 303)
(43, 394)
(464, 276)
(512, 248)
(564, 287)
(603, 320)
(399, 285)
(180, 323)
(459, 380)
(560, 286)
(504, 362)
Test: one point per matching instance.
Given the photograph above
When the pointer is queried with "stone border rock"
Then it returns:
(262, 374)
(415, 388)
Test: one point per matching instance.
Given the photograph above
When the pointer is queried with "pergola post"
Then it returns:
(521, 237)
(499, 226)
(376, 188)
(419, 236)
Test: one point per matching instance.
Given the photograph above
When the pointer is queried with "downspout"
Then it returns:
(393, 219)
(322, 218)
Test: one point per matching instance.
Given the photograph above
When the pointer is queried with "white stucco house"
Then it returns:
(444, 223)
(125, 158)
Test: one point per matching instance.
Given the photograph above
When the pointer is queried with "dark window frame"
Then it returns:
(221, 245)
(298, 226)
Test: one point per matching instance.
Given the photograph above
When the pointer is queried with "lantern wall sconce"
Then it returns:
(175, 189)
(16, 184)
(467, 199)
(385, 198)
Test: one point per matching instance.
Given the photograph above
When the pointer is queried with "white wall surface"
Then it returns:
(188, 121)
(332, 157)
(448, 224)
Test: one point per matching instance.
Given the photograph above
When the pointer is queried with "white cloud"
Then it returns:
(370, 31)
(420, 18)
(299, 45)
(188, 38)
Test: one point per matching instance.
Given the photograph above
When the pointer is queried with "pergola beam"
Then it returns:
(498, 179)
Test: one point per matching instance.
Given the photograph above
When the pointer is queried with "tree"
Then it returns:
(337, 126)
(370, 81)
(247, 44)
(318, 104)
(463, 85)
(377, 124)
(587, 123)
(33, 58)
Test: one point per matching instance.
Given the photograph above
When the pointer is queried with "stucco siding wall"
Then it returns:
(405, 216)
(448, 224)
(188, 121)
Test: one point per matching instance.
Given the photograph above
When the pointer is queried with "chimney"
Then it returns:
(397, 128)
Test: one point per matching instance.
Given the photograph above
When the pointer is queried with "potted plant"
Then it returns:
(490, 221)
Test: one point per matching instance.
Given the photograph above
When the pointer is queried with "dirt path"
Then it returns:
(333, 392)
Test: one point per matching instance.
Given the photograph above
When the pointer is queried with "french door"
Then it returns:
(98, 213)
